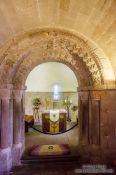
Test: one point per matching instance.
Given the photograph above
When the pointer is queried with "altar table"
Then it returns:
(54, 121)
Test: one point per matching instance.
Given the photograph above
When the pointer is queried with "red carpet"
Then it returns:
(43, 150)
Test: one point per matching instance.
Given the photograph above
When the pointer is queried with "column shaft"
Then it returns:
(17, 121)
(5, 124)
(18, 126)
(84, 118)
(5, 129)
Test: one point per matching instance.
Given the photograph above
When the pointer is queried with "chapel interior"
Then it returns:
(57, 86)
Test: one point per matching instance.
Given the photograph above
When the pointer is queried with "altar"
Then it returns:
(54, 121)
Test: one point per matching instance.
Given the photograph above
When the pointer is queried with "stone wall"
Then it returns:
(98, 124)
(108, 119)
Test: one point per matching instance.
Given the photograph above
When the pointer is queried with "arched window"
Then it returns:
(56, 90)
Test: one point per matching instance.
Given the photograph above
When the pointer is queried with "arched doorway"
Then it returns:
(22, 55)
(41, 83)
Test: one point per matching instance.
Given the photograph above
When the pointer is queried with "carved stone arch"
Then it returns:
(38, 55)
(54, 44)
(23, 71)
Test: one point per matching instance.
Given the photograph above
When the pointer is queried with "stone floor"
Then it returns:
(71, 138)
(66, 166)
(49, 169)
(62, 168)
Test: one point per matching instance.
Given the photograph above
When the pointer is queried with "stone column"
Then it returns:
(18, 125)
(5, 130)
(84, 117)
(94, 118)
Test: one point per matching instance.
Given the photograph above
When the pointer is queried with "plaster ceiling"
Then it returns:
(93, 19)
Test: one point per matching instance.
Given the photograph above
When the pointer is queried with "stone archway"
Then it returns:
(19, 57)
(50, 44)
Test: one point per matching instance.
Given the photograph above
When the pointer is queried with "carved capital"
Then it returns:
(84, 95)
(18, 94)
(95, 95)
(6, 93)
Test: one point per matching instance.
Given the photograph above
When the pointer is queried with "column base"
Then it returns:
(5, 160)
(17, 153)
